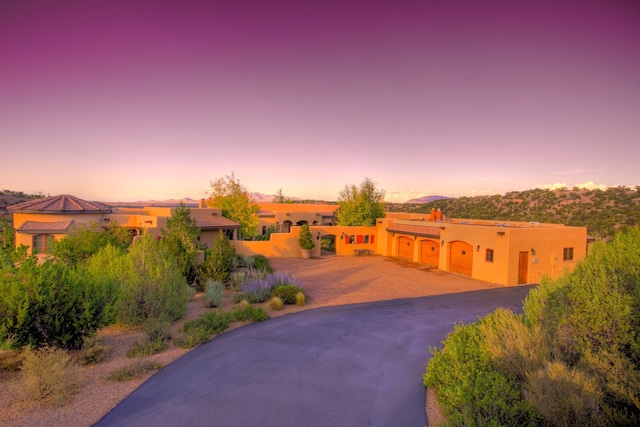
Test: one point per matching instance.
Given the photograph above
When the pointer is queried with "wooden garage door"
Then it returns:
(405, 247)
(461, 256)
(430, 252)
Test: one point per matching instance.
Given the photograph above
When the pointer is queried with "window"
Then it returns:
(567, 254)
(43, 243)
(366, 238)
(488, 256)
(359, 239)
(264, 230)
(352, 239)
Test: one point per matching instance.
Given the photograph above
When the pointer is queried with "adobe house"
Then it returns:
(39, 223)
(505, 253)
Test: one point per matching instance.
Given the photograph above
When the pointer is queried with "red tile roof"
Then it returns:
(63, 203)
(37, 227)
(414, 230)
(215, 223)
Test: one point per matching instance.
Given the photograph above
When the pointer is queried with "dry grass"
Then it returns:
(48, 375)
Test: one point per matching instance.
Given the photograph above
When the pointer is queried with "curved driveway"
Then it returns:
(353, 365)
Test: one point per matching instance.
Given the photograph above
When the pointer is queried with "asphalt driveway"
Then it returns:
(352, 365)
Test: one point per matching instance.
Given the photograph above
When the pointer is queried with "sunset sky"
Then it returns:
(128, 100)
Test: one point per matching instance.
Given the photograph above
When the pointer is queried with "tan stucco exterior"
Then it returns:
(506, 253)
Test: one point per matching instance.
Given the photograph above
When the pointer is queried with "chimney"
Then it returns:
(202, 204)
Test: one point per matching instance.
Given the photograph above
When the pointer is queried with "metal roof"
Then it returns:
(38, 227)
(215, 223)
(63, 203)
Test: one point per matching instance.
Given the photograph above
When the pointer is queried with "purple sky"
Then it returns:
(127, 100)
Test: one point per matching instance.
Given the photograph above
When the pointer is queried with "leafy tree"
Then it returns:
(281, 198)
(232, 197)
(180, 238)
(360, 205)
(85, 240)
(151, 284)
(218, 261)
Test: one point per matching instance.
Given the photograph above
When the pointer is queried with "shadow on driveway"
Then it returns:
(352, 365)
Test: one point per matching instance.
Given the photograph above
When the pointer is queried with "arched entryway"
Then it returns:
(328, 244)
(286, 227)
(430, 252)
(405, 247)
(461, 257)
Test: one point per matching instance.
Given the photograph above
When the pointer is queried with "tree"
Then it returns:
(85, 240)
(218, 261)
(360, 205)
(281, 198)
(232, 197)
(180, 238)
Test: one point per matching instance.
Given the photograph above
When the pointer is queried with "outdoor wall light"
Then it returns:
(478, 248)
(318, 236)
(500, 233)
(442, 243)
(533, 252)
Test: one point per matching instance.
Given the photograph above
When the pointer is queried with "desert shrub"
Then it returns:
(218, 261)
(10, 360)
(301, 299)
(243, 303)
(202, 329)
(248, 312)
(237, 279)
(276, 303)
(516, 349)
(240, 297)
(287, 293)
(94, 350)
(50, 304)
(151, 284)
(257, 290)
(134, 370)
(565, 396)
(260, 262)
(85, 240)
(248, 261)
(147, 348)
(470, 389)
(282, 279)
(213, 294)
(48, 374)
(157, 329)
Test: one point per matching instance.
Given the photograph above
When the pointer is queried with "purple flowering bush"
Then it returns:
(259, 290)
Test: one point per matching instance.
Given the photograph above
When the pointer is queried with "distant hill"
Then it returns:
(426, 199)
(601, 211)
(10, 198)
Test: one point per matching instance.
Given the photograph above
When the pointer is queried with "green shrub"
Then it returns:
(94, 351)
(218, 261)
(237, 279)
(469, 388)
(301, 299)
(151, 284)
(240, 297)
(50, 304)
(287, 293)
(147, 348)
(248, 312)
(276, 303)
(260, 262)
(213, 294)
(157, 329)
(134, 370)
(48, 374)
(203, 328)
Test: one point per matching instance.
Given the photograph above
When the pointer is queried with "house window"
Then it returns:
(352, 239)
(567, 254)
(264, 230)
(43, 243)
(366, 238)
(488, 256)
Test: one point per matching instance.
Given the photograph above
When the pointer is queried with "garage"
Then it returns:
(405, 247)
(430, 252)
(461, 257)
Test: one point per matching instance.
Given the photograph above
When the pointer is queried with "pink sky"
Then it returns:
(126, 100)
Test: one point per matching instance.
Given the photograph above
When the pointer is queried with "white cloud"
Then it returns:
(591, 186)
(556, 186)
(482, 192)
(577, 171)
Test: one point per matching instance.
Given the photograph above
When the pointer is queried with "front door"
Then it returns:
(523, 265)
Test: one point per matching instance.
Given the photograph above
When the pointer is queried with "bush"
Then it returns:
(157, 340)
(213, 294)
(276, 303)
(134, 370)
(301, 299)
(151, 284)
(248, 312)
(48, 374)
(261, 262)
(201, 330)
(218, 261)
(10, 360)
(147, 348)
(305, 240)
(287, 293)
(50, 304)
(257, 290)
(93, 351)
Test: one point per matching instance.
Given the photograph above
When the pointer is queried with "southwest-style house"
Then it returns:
(506, 253)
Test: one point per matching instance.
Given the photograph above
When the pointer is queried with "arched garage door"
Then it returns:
(430, 252)
(461, 258)
(405, 247)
